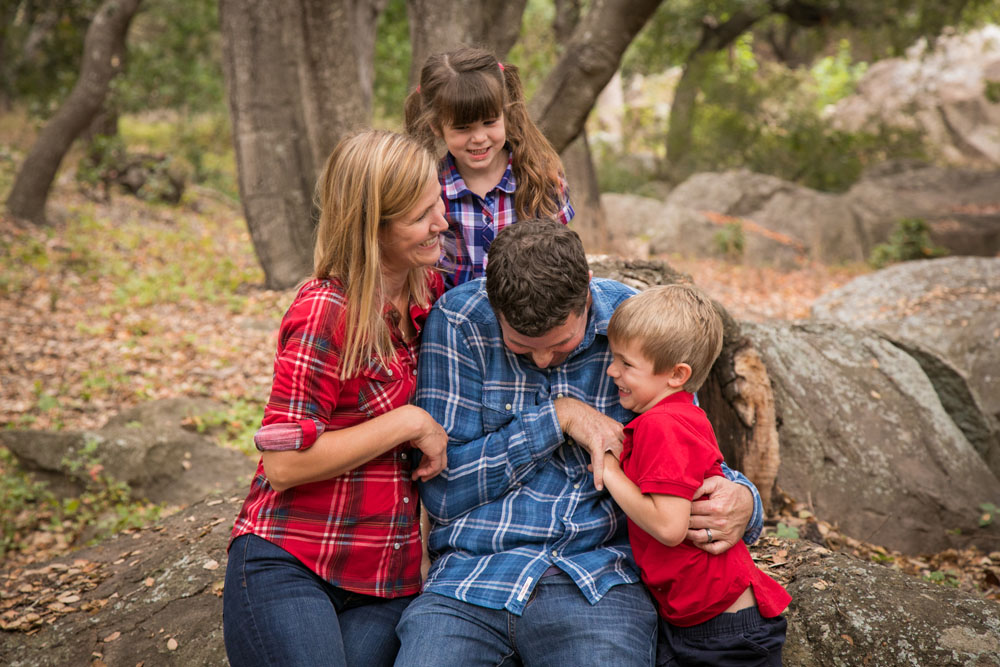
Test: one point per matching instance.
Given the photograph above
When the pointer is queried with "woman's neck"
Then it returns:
(396, 288)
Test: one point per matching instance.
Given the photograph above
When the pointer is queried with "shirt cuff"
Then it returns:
(288, 435)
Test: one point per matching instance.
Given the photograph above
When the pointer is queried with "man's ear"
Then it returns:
(679, 375)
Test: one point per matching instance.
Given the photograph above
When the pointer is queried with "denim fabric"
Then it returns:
(743, 639)
(559, 627)
(278, 612)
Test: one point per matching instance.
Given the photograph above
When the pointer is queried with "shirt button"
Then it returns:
(396, 546)
(406, 499)
(555, 554)
(577, 485)
(509, 406)
(389, 372)
(559, 395)
(402, 455)
(414, 371)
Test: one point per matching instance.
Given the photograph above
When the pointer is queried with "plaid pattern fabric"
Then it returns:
(516, 496)
(474, 221)
(359, 531)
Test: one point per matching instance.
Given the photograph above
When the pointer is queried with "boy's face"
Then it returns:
(639, 388)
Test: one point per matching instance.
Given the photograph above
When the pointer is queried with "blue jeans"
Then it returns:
(276, 611)
(742, 639)
(559, 627)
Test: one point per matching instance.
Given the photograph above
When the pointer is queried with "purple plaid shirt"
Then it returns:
(475, 221)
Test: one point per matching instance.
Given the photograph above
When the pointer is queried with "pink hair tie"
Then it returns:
(501, 66)
(418, 87)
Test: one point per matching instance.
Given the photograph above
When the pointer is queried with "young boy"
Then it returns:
(714, 609)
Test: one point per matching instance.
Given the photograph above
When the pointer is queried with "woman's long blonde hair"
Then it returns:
(469, 85)
(370, 178)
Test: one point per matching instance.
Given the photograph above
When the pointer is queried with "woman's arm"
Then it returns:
(662, 516)
(337, 452)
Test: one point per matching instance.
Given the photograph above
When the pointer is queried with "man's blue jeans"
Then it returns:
(276, 611)
(559, 627)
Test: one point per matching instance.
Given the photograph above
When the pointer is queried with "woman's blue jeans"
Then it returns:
(278, 612)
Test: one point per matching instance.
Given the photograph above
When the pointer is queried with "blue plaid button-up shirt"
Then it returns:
(475, 221)
(516, 497)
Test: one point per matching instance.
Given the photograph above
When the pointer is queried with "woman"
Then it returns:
(325, 553)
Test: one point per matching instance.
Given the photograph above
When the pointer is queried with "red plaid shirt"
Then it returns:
(359, 531)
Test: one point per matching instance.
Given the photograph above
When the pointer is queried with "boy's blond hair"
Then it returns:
(672, 324)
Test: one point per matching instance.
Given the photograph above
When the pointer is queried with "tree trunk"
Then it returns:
(103, 58)
(714, 38)
(589, 60)
(440, 25)
(589, 221)
(293, 71)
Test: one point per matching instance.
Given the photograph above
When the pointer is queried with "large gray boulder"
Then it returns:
(153, 597)
(145, 447)
(783, 223)
(942, 93)
(950, 306)
(865, 440)
(847, 612)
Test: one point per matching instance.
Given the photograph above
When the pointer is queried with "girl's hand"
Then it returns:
(433, 443)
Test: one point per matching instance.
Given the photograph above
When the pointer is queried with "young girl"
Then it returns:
(499, 168)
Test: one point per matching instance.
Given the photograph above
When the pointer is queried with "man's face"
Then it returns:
(552, 347)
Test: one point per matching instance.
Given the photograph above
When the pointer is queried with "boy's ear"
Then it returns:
(679, 375)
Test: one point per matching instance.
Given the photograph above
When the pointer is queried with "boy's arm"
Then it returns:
(662, 516)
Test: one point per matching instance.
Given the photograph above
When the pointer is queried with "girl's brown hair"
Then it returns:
(469, 85)
(370, 178)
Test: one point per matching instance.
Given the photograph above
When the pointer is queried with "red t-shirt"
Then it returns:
(671, 449)
(359, 531)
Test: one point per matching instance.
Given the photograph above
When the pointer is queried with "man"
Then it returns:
(532, 562)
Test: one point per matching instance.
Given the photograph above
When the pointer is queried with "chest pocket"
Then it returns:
(498, 409)
(379, 389)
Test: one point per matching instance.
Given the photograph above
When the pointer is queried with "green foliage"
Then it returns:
(22, 499)
(729, 240)
(392, 65)
(989, 511)
(835, 77)
(943, 577)
(787, 532)
(233, 426)
(174, 59)
(992, 91)
(910, 239)
(536, 50)
(105, 507)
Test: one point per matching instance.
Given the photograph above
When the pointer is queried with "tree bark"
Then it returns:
(589, 60)
(103, 58)
(440, 25)
(293, 71)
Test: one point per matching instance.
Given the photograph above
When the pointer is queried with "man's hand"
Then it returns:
(723, 516)
(432, 441)
(592, 430)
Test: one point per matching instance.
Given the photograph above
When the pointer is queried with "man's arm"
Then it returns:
(483, 464)
(733, 510)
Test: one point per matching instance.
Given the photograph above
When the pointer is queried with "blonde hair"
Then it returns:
(370, 178)
(672, 324)
(468, 85)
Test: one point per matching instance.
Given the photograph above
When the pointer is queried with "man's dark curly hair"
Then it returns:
(537, 275)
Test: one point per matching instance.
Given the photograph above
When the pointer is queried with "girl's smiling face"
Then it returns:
(478, 148)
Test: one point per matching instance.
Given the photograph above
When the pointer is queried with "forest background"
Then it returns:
(109, 300)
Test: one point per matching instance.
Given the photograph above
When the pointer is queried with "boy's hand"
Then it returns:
(723, 517)
(592, 430)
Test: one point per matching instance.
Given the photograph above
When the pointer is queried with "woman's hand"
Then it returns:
(432, 441)
(718, 523)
